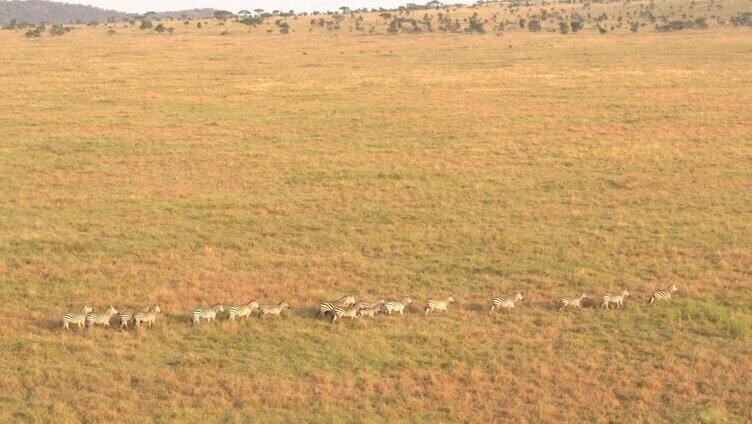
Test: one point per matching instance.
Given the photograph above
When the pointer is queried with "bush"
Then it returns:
(160, 28)
(35, 32)
(564, 27)
(145, 24)
(534, 25)
(742, 19)
(634, 26)
(576, 25)
(57, 30)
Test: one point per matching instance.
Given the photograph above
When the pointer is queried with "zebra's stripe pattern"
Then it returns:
(506, 302)
(101, 319)
(208, 314)
(77, 319)
(572, 302)
(274, 310)
(616, 299)
(127, 317)
(149, 317)
(663, 294)
(326, 308)
(242, 311)
(438, 305)
(394, 306)
(351, 312)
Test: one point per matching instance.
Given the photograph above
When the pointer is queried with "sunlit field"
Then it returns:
(195, 168)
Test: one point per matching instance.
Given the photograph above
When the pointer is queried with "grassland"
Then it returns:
(196, 168)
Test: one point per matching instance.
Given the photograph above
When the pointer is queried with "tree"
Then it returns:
(160, 28)
(563, 27)
(222, 15)
(145, 24)
(576, 25)
(534, 25)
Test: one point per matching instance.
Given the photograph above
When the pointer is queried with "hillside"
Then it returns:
(36, 11)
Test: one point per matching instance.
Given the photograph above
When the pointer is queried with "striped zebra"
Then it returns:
(506, 303)
(149, 317)
(326, 308)
(617, 299)
(101, 319)
(242, 311)
(274, 310)
(352, 312)
(394, 306)
(663, 294)
(78, 319)
(574, 302)
(127, 317)
(206, 313)
(438, 305)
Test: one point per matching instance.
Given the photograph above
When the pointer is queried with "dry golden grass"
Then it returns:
(196, 168)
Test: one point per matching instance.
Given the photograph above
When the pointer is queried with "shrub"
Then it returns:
(576, 25)
(145, 24)
(57, 30)
(160, 28)
(563, 27)
(35, 32)
(634, 26)
(534, 25)
(742, 19)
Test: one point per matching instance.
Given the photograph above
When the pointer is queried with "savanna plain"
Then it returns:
(194, 168)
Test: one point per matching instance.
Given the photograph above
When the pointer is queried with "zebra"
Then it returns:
(617, 299)
(663, 294)
(326, 308)
(394, 306)
(242, 311)
(505, 302)
(207, 313)
(371, 311)
(574, 302)
(274, 310)
(127, 316)
(78, 319)
(149, 317)
(352, 312)
(438, 305)
(101, 319)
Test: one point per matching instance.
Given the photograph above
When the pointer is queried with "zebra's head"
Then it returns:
(253, 304)
(156, 309)
(284, 305)
(518, 296)
(449, 299)
(112, 310)
(218, 308)
(348, 300)
(625, 293)
(583, 296)
(406, 300)
(87, 310)
(673, 288)
(145, 309)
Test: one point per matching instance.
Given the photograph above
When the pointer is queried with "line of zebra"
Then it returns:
(344, 307)
(87, 318)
